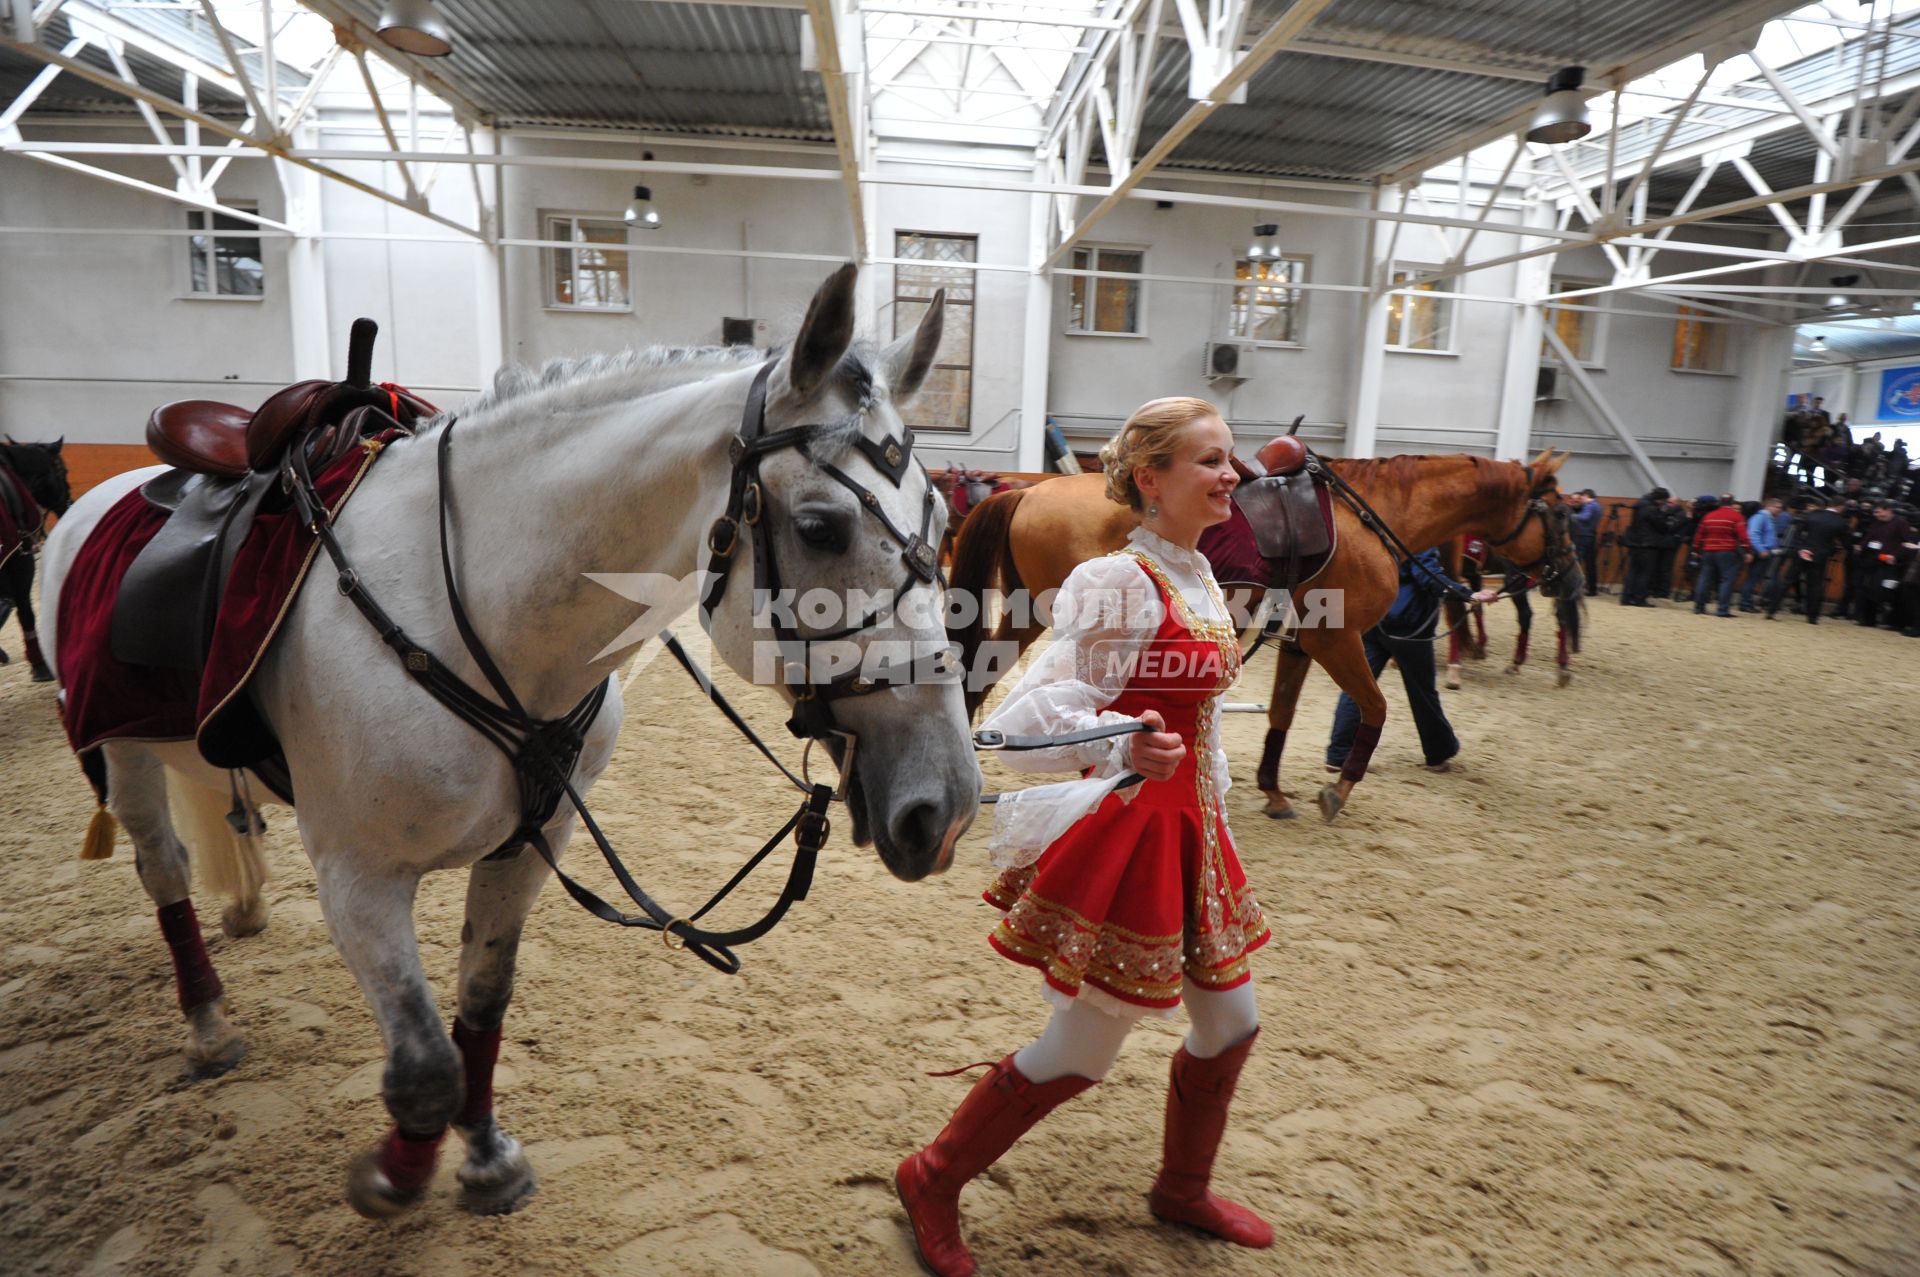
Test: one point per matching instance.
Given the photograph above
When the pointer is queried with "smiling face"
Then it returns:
(1194, 488)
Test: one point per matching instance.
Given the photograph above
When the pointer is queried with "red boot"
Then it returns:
(1001, 1107)
(1197, 1101)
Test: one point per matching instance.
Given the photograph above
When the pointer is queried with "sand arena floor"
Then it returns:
(1635, 992)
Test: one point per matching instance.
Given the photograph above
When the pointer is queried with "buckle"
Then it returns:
(988, 738)
(737, 450)
(922, 558)
(750, 504)
(728, 526)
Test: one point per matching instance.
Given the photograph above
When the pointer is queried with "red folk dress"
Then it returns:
(1145, 889)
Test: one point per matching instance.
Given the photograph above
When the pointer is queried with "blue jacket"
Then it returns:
(1586, 521)
(1423, 583)
(1764, 532)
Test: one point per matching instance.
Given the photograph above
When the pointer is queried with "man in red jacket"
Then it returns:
(1720, 539)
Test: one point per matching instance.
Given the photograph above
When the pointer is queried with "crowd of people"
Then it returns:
(1818, 451)
(1777, 553)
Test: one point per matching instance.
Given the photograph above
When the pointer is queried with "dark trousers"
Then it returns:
(1642, 561)
(1761, 574)
(1811, 576)
(1588, 549)
(1415, 658)
(1717, 570)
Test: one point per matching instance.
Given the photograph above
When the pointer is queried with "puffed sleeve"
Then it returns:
(1106, 612)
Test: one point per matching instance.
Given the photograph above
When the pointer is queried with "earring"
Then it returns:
(1153, 509)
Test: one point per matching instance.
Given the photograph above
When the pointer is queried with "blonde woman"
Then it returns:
(1127, 898)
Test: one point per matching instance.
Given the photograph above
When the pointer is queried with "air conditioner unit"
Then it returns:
(1546, 386)
(1225, 361)
(744, 332)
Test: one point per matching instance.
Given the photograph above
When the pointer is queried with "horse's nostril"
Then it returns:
(918, 828)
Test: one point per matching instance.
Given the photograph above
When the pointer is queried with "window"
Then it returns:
(1582, 330)
(1268, 310)
(1699, 345)
(1419, 323)
(589, 277)
(945, 401)
(223, 265)
(1115, 303)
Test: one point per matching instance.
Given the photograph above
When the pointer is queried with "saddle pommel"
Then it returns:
(1282, 455)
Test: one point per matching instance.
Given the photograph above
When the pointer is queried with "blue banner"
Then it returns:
(1900, 394)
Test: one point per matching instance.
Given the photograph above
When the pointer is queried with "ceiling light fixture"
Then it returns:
(417, 27)
(641, 212)
(1562, 113)
(1266, 243)
(1818, 346)
(1839, 300)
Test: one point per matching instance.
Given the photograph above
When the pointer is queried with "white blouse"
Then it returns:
(1107, 610)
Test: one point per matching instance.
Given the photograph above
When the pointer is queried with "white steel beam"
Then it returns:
(1602, 409)
(1514, 429)
(845, 106)
(118, 56)
(269, 116)
(84, 15)
(415, 69)
(1299, 15)
(265, 145)
(414, 199)
(24, 100)
(20, 20)
(189, 198)
(1728, 22)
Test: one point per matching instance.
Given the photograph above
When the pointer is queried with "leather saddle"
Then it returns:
(1281, 506)
(226, 462)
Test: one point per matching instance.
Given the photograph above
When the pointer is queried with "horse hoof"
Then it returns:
(41, 674)
(501, 1185)
(1280, 813)
(214, 1046)
(242, 919)
(1511, 669)
(205, 1064)
(1563, 678)
(1453, 679)
(372, 1195)
(1331, 802)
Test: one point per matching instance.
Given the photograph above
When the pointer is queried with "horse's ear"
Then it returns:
(826, 332)
(54, 447)
(905, 362)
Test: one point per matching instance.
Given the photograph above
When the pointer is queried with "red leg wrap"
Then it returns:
(408, 1162)
(1560, 656)
(1365, 737)
(34, 658)
(479, 1049)
(1480, 627)
(1520, 647)
(1453, 648)
(1268, 776)
(193, 973)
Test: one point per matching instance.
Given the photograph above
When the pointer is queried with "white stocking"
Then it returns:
(1080, 1039)
(1218, 1018)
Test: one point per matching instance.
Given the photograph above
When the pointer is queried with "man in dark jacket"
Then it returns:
(1883, 545)
(1679, 531)
(1406, 638)
(1586, 535)
(1827, 534)
(1645, 534)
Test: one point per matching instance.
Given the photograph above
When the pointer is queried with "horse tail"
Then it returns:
(226, 860)
(1570, 608)
(983, 559)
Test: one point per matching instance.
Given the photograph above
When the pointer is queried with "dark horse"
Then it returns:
(33, 484)
(1471, 560)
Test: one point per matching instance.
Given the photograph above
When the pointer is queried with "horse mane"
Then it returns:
(571, 384)
(1494, 481)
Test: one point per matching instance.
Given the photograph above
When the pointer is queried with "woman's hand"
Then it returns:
(1156, 754)
(1485, 596)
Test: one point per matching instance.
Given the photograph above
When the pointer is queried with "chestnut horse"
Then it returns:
(1032, 538)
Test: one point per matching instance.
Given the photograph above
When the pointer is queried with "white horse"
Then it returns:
(615, 464)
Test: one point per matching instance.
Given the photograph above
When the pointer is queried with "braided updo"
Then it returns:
(1149, 438)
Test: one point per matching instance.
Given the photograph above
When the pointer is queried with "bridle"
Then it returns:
(813, 716)
(543, 751)
(1556, 555)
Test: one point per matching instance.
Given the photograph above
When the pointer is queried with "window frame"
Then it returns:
(549, 301)
(1600, 318)
(1398, 273)
(1139, 285)
(212, 233)
(1299, 341)
(901, 233)
(1681, 315)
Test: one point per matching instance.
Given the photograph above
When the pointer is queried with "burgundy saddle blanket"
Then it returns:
(105, 698)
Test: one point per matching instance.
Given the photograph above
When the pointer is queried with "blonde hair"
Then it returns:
(1149, 438)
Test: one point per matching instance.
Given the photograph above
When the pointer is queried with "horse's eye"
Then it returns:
(819, 533)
